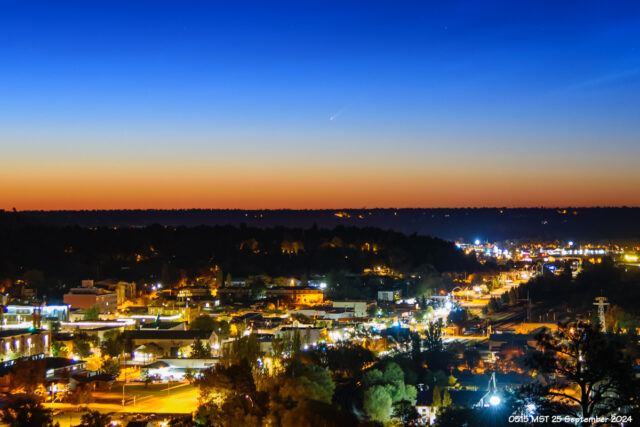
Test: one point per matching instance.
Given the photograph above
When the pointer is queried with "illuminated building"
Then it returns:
(89, 296)
(18, 343)
(296, 295)
(169, 342)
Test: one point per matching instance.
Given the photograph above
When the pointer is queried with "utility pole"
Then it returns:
(124, 354)
(601, 303)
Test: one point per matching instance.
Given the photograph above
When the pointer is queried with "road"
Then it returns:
(181, 398)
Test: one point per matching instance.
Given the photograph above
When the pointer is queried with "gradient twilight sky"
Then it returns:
(304, 104)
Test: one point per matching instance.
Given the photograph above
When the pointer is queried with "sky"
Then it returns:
(329, 104)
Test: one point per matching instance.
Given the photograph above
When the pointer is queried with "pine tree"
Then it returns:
(446, 399)
(199, 350)
(437, 398)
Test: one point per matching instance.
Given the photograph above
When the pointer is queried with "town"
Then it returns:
(319, 213)
(418, 347)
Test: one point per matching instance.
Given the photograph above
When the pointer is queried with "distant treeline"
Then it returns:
(493, 224)
(52, 259)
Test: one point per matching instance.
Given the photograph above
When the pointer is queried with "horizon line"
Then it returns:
(13, 210)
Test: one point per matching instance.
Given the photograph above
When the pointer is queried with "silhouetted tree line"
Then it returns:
(620, 285)
(52, 259)
(492, 223)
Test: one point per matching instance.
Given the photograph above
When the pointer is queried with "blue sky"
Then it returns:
(510, 88)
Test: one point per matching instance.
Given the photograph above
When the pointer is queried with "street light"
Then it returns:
(494, 400)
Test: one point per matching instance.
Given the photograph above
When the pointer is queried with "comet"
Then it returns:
(336, 115)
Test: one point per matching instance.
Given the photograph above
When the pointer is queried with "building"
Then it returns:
(55, 369)
(125, 290)
(175, 369)
(309, 336)
(388, 296)
(359, 307)
(17, 343)
(328, 313)
(194, 292)
(169, 326)
(172, 311)
(89, 296)
(427, 411)
(26, 316)
(168, 342)
(97, 328)
(297, 295)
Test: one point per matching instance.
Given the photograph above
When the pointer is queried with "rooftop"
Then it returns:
(167, 334)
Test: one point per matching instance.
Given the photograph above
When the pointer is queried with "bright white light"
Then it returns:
(477, 242)
(570, 242)
(494, 400)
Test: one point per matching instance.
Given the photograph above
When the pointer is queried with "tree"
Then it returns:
(392, 381)
(437, 398)
(372, 311)
(458, 316)
(433, 333)
(82, 344)
(310, 413)
(92, 313)
(307, 381)
(26, 411)
(589, 373)
(190, 375)
(95, 419)
(245, 348)
(436, 378)
(111, 367)
(423, 303)
(257, 286)
(471, 357)
(347, 361)
(59, 349)
(208, 323)
(428, 284)
(202, 323)
(219, 278)
(618, 320)
(27, 376)
(224, 382)
(494, 305)
(377, 403)
(446, 399)
(416, 347)
(200, 350)
(406, 412)
(114, 343)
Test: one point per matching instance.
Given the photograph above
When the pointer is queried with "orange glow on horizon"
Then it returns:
(277, 187)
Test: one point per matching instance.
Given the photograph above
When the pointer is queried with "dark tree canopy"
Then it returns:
(64, 256)
(588, 373)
